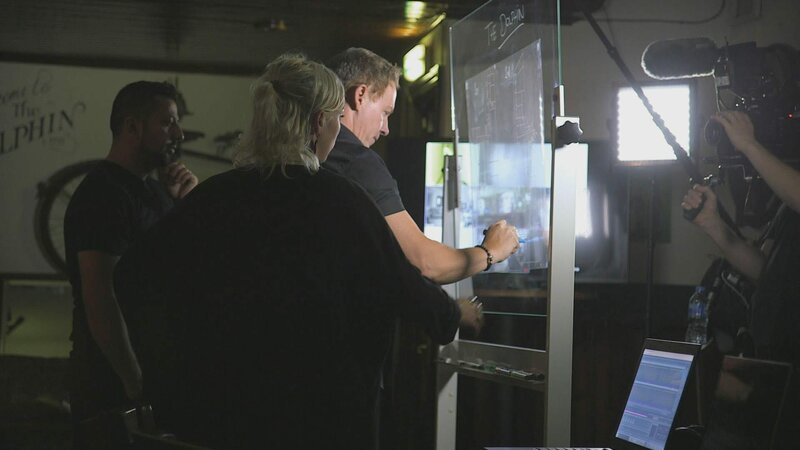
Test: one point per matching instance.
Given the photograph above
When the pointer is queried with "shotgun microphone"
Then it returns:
(672, 59)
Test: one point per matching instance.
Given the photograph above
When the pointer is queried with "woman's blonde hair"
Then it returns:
(285, 98)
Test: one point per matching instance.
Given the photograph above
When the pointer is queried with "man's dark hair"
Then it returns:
(139, 100)
(356, 66)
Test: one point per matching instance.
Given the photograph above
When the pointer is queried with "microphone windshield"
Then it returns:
(680, 58)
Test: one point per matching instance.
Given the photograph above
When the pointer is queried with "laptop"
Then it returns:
(747, 404)
(653, 400)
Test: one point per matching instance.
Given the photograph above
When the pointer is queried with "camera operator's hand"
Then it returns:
(740, 131)
(783, 179)
(745, 257)
(708, 217)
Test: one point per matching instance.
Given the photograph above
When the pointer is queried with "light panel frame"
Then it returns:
(637, 140)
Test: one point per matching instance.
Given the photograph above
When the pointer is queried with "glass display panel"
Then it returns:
(501, 195)
(505, 65)
(601, 217)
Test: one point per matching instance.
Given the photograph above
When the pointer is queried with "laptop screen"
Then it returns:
(656, 393)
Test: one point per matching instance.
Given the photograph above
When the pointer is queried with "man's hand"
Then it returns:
(746, 258)
(501, 240)
(708, 215)
(178, 180)
(739, 129)
(471, 313)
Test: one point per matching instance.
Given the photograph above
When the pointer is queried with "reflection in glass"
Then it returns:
(505, 174)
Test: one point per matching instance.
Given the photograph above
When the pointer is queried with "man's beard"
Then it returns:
(170, 154)
(162, 156)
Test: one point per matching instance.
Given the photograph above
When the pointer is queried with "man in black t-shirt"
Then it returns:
(370, 84)
(113, 206)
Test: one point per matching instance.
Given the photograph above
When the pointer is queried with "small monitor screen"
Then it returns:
(654, 398)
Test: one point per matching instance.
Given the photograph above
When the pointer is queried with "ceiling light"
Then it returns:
(414, 63)
(415, 10)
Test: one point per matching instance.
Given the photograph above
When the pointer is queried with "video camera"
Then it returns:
(764, 82)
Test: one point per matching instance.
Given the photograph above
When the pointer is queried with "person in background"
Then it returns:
(371, 84)
(267, 323)
(780, 177)
(772, 268)
(114, 205)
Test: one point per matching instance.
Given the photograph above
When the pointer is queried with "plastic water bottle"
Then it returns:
(697, 330)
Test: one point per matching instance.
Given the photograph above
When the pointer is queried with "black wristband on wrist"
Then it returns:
(489, 257)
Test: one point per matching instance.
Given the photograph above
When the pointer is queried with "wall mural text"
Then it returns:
(30, 115)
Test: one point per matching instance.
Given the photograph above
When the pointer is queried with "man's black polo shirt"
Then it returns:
(351, 159)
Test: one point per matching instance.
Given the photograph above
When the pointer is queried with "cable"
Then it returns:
(735, 290)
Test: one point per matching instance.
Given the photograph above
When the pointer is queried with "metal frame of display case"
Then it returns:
(547, 370)
(555, 378)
